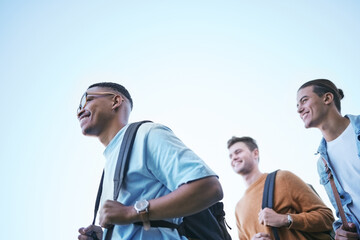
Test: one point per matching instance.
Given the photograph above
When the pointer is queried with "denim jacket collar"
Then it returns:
(355, 122)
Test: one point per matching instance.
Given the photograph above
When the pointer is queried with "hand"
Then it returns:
(85, 233)
(342, 234)
(113, 212)
(261, 236)
(269, 217)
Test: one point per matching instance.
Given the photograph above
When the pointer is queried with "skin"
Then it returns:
(103, 117)
(246, 163)
(321, 112)
(341, 234)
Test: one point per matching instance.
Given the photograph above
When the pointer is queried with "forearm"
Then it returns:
(317, 220)
(187, 199)
(309, 213)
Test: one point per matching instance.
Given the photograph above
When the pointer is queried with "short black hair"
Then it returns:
(322, 86)
(117, 87)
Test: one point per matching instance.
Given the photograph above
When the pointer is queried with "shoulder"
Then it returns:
(354, 119)
(285, 174)
(151, 126)
(288, 177)
(156, 130)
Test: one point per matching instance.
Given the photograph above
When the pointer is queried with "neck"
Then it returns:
(252, 177)
(108, 134)
(333, 127)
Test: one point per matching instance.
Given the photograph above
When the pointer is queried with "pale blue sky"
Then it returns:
(206, 69)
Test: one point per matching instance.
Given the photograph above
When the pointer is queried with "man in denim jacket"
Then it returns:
(318, 103)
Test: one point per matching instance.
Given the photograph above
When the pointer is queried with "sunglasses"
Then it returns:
(84, 98)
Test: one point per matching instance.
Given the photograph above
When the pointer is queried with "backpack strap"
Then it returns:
(98, 197)
(337, 197)
(122, 166)
(268, 197)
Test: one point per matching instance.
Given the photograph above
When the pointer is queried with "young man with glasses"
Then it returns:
(163, 173)
(318, 104)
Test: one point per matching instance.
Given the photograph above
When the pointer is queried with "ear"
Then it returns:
(328, 98)
(255, 153)
(117, 101)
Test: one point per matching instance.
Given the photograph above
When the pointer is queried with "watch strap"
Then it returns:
(144, 216)
(290, 220)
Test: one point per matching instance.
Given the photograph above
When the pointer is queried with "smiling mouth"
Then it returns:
(84, 116)
(238, 162)
(304, 116)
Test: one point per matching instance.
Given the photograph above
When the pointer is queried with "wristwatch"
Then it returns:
(290, 220)
(142, 208)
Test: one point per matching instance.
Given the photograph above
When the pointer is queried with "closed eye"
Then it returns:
(238, 151)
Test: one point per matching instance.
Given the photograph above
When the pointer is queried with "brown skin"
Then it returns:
(321, 113)
(246, 163)
(105, 116)
(86, 232)
(176, 204)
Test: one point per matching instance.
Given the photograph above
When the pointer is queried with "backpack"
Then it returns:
(208, 224)
(268, 201)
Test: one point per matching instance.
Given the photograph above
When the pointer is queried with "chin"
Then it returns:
(307, 124)
(87, 131)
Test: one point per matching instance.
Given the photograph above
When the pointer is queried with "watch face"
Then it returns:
(141, 205)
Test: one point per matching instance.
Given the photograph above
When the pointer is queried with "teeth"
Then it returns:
(83, 118)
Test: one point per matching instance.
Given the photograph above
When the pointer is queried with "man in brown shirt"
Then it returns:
(298, 212)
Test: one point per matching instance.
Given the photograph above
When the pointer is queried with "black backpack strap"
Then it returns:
(98, 197)
(97, 203)
(122, 166)
(268, 197)
(160, 223)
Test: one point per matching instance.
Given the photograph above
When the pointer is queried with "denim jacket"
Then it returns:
(345, 198)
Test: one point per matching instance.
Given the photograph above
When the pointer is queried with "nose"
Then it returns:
(299, 108)
(79, 112)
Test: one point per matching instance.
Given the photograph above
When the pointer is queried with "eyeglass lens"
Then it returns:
(82, 102)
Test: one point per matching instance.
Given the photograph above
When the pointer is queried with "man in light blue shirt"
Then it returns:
(169, 179)
(318, 103)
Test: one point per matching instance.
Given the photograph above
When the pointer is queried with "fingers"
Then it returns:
(264, 216)
(342, 234)
(261, 217)
(86, 233)
(82, 230)
(352, 227)
(261, 236)
(84, 237)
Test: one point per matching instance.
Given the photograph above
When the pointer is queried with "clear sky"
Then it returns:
(207, 69)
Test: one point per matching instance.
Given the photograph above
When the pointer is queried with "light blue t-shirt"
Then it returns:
(159, 164)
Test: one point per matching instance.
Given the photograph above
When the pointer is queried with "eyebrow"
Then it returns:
(301, 99)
